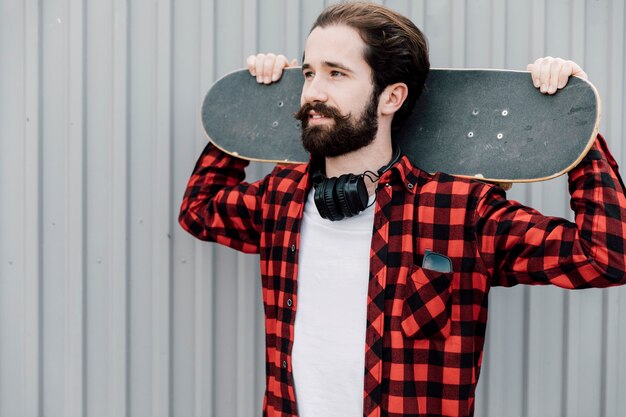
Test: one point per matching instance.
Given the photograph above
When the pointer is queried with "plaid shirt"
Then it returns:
(425, 329)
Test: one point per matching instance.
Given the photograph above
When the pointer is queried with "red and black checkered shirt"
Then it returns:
(425, 329)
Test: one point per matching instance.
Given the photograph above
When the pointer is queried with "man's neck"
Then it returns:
(370, 158)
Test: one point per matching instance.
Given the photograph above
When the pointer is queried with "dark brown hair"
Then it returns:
(396, 50)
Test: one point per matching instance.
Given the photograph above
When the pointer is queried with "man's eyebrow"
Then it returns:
(337, 65)
(330, 64)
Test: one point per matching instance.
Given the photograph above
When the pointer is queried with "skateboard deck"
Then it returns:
(493, 125)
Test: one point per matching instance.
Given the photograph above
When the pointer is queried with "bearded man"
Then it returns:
(356, 321)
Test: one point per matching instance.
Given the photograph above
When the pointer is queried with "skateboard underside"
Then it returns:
(487, 124)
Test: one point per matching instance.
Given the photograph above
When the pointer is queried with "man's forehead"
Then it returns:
(337, 44)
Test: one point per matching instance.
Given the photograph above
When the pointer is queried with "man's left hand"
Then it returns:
(551, 74)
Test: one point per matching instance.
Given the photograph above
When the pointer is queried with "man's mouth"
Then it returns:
(318, 114)
(317, 117)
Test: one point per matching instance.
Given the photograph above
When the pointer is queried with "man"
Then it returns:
(357, 321)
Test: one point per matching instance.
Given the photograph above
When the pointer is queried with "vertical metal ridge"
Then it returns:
(572, 314)
(33, 211)
(458, 27)
(161, 203)
(213, 340)
(529, 313)
(75, 218)
(499, 34)
(615, 102)
(577, 37)
(571, 354)
(292, 24)
(245, 339)
(204, 375)
(538, 30)
(622, 93)
(610, 332)
(249, 24)
(417, 13)
(118, 318)
(203, 325)
(243, 327)
(611, 308)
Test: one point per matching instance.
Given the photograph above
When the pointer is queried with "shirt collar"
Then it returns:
(404, 172)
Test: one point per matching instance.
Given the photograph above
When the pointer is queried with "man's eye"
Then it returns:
(308, 74)
(336, 74)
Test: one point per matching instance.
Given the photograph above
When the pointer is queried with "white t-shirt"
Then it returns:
(331, 315)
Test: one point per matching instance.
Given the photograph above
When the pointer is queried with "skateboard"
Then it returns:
(493, 125)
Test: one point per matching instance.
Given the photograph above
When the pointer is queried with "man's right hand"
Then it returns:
(268, 68)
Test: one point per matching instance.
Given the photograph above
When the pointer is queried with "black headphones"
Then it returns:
(346, 195)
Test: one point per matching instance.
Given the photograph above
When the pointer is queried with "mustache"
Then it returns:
(321, 108)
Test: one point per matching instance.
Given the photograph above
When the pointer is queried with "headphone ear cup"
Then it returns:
(342, 195)
(356, 194)
(351, 194)
(334, 213)
(324, 200)
(319, 199)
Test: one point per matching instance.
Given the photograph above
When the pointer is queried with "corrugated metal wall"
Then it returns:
(108, 309)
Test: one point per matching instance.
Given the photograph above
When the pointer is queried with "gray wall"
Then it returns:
(107, 308)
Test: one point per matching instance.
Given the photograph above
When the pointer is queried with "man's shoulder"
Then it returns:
(441, 186)
(289, 171)
(442, 182)
(288, 177)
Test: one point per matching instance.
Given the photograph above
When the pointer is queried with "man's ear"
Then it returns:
(392, 98)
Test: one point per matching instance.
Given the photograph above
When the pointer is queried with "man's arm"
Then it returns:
(217, 205)
(522, 246)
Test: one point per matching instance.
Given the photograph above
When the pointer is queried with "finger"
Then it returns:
(260, 59)
(578, 71)
(251, 64)
(279, 65)
(293, 63)
(564, 74)
(556, 72)
(535, 72)
(268, 67)
(544, 75)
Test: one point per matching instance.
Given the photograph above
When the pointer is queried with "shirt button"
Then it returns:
(388, 185)
(409, 186)
(285, 364)
(293, 248)
(289, 302)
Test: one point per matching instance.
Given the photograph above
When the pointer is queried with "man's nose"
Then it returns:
(314, 91)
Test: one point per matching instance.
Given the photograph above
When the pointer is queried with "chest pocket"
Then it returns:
(427, 305)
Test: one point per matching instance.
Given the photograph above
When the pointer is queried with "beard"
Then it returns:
(346, 135)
